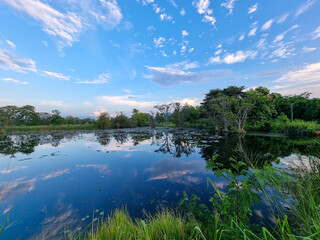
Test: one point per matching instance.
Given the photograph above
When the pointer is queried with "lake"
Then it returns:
(52, 182)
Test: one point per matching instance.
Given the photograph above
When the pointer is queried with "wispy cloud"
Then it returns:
(304, 7)
(56, 75)
(11, 44)
(253, 8)
(10, 61)
(229, 4)
(102, 78)
(230, 58)
(305, 78)
(283, 18)
(14, 81)
(67, 26)
(267, 25)
(53, 103)
(102, 168)
(308, 49)
(55, 174)
(316, 33)
(125, 101)
(170, 77)
(253, 32)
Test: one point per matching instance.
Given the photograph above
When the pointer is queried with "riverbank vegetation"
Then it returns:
(227, 216)
(232, 109)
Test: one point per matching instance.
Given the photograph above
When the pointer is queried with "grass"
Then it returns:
(119, 225)
(49, 128)
(297, 127)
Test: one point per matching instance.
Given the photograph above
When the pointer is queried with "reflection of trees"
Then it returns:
(103, 138)
(10, 145)
(121, 137)
(175, 144)
(26, 143)
(140, 137)
(257, 150)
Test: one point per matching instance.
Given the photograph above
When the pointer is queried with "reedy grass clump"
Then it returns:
(165, 224)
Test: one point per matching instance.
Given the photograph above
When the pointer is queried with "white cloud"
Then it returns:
(282, 35)
(210, 19)
(164, 16)
(279, 37)
(241, 37)
(67, 26)
(267, 25)
(307, 49)
(170, 77)
(125, 101)
(283, 18)
(202, 5)
(253, 8)
(184, 65)
(306, 78)
(230, 58)
(102, 78)
(126, 90)
(229, 4)
(53, 103)
(252, 32)
(182, 12)
(203, 9)
(11, 44)
(56, 75)
(191, 50)
(184, 33)
(10, 61)
(189, 101)
(158, 42)
(316, 33)
(14, 81)
(45, 43)
(304, 7)
(219, 51)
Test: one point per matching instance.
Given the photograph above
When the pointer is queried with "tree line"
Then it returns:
(228, 109)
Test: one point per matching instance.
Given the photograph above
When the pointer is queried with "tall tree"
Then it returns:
(104, 121)
(165, 109)
(7, 114)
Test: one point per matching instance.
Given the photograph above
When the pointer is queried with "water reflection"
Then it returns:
(53, 180)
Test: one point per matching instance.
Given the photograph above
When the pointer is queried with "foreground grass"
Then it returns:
(50, 128)
(119, 225)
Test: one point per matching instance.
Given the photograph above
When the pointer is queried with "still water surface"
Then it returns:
(51, 182)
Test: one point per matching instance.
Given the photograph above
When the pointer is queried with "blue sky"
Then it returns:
(88, 56)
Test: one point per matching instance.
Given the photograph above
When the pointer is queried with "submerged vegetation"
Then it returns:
(230, 110)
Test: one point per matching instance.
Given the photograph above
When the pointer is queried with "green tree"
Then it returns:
(140, 119)
(7, 114)
(104, 121)
(165, 109)
(56, 119)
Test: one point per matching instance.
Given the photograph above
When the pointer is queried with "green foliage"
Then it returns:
(104, 121)
(140, 119)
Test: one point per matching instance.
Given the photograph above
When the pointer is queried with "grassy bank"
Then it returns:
(40, 128)
(297, 127)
